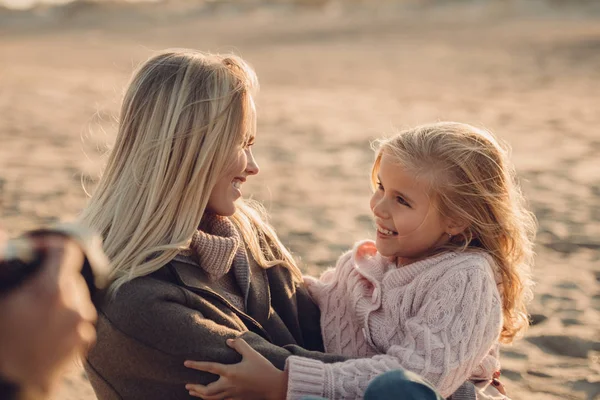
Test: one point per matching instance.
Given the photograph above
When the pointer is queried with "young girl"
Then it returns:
(445, 281)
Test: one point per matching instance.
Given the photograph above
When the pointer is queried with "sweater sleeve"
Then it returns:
(454, 329)
(344, 276)
(328, 279)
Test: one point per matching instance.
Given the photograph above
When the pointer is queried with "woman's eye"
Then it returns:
(401, 200)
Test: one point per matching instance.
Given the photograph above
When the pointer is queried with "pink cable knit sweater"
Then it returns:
(440, 317)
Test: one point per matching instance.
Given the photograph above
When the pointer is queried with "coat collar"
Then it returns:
(258, 300)
(191, 277)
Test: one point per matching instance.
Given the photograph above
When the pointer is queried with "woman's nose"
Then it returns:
(252, 167)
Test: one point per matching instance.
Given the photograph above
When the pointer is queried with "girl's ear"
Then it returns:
(456, 226)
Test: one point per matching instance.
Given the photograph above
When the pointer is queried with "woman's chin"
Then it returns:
(223, 210)
(230, 211)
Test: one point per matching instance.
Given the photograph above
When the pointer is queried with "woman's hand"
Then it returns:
(252, 378)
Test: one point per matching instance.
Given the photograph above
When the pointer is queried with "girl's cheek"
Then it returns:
(406, 222)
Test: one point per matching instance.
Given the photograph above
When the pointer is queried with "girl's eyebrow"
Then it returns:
(397, 193)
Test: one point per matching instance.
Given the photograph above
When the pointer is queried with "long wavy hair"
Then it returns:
(183, 115)
(472, 180)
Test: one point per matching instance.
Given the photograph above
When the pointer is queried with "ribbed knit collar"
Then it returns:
(404, 274)
(216, 246)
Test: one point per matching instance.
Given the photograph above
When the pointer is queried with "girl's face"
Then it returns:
(409, 226)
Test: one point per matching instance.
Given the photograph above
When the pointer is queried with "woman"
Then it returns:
(194, 264)
(182, 154)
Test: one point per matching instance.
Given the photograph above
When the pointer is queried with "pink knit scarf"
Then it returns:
(216, 246)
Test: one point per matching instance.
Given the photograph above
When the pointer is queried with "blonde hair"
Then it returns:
(183, 115)
(472, 180)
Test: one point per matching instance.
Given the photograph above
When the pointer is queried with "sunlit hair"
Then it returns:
(183, 116)
(472, 180)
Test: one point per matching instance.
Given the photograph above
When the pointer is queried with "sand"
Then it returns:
(333, 80)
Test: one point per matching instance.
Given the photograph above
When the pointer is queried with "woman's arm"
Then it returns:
(153, 327)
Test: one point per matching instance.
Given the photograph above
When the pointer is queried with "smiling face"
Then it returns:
(409, 226)
(242, 164)
(229, 186)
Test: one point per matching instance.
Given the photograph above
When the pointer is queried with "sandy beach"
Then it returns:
(334, 77)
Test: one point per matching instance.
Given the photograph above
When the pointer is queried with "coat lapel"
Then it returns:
(191, 277)
(257, 302)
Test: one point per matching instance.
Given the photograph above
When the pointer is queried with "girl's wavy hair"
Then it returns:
(472, 180)
(183, 115)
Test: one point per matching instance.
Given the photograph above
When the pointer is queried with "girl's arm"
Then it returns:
(444, 342)
(364, 256)
(254, 376)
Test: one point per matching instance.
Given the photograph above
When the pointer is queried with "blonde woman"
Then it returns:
(193, 263)
(445, 281)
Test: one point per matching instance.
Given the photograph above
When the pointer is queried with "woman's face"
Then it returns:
(229, 186)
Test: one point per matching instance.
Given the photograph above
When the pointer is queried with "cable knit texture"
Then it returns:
(440, 317)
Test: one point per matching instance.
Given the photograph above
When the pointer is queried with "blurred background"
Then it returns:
(334, 76)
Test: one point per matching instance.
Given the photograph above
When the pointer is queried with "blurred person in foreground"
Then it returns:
(46, 313)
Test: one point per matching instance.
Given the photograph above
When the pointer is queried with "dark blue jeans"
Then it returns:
(397, 384)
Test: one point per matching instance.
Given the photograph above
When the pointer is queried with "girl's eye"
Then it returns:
(401, 200)
(379, 185)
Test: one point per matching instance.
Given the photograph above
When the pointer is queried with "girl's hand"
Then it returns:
(252, 378)
(497, 384)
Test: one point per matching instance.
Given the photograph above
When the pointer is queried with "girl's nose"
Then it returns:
(378, 206)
